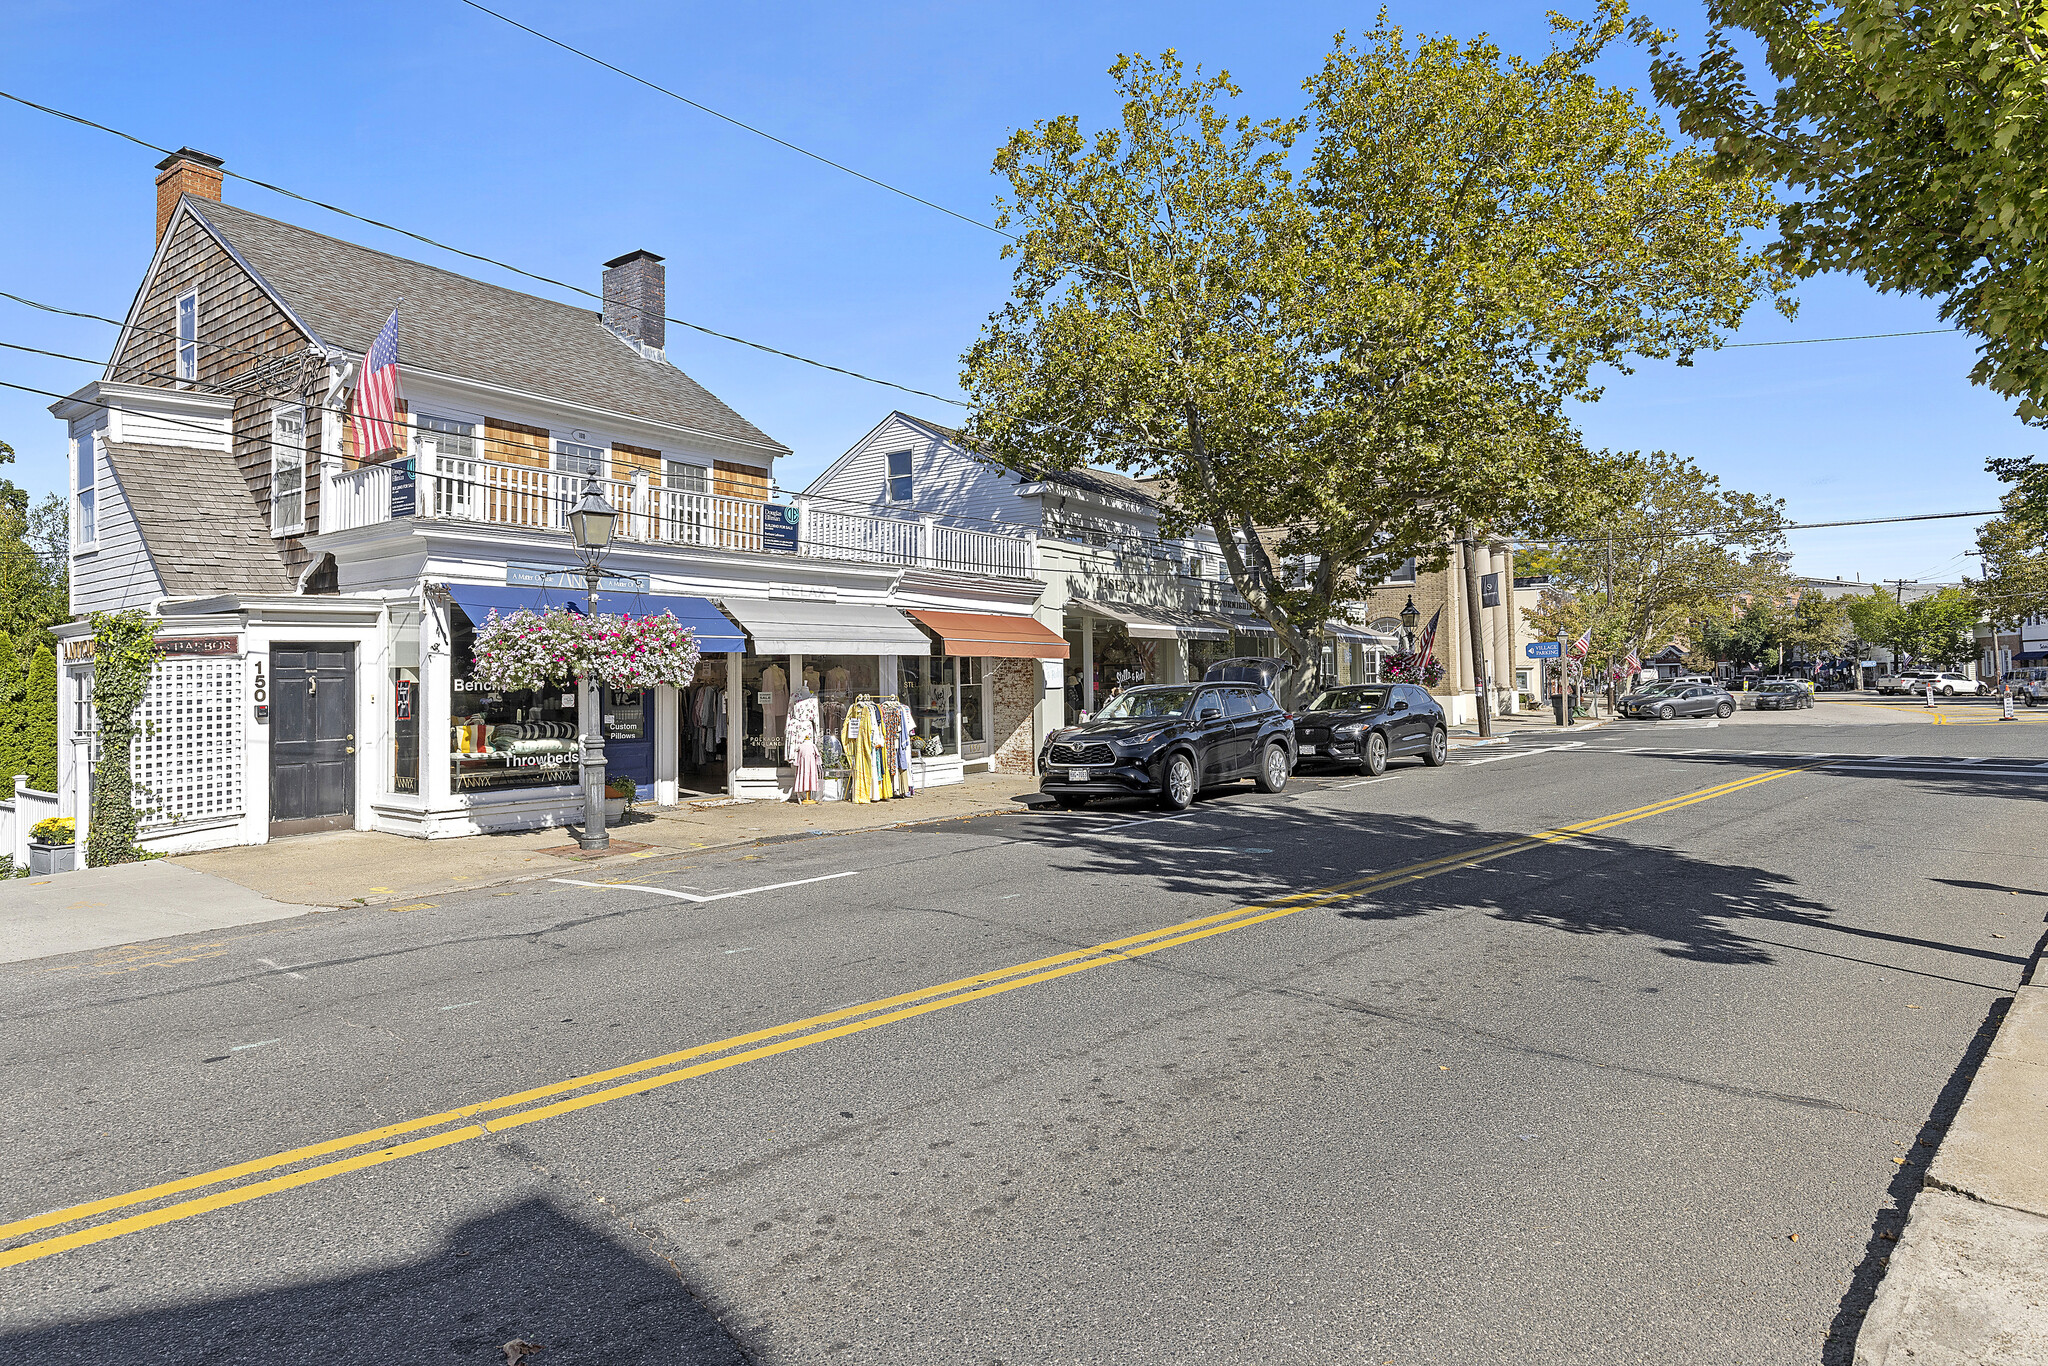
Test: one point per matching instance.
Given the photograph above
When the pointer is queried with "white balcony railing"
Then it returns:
(537, 499)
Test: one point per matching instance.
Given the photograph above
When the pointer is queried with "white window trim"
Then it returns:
(909, 476)
(296, 453)
(85, 454)
(604, 455)
(178, 355)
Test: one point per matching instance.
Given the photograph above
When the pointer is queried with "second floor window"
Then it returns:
(899, 476)
(571, 458)
(188, 336)
(688, 478)
(287, 471)
(84, 531)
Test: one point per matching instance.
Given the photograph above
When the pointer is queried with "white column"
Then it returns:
(667, 743)
(735, 723)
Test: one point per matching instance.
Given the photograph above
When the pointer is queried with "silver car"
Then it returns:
(1695, 699)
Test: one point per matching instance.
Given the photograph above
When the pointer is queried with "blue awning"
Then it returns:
(479, 600)
(715, 634)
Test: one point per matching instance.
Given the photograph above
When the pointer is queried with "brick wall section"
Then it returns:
(1013, 690)
(182, 176)
(636, 297)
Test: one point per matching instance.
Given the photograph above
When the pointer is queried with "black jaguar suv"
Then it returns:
(1367, 724)
(1170, 741)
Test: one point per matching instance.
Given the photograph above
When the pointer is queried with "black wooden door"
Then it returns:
(312, 735)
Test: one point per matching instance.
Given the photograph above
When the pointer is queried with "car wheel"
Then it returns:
(1177, 792)
(1439, 750)
(1272, 774)
(1071, 803)
(1666, 713)
(1725, 710)
(1948, 692)
(1376, 753)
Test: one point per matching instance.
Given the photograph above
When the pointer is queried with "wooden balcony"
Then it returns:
(456, 490)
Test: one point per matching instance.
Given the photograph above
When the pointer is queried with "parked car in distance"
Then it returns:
(1697, 699)
(2029, 686)
(1170, 741)
(1647, 691)
(1788, 695)
(1948, 683)
(1366, 724)
(1909, 681)
(1775, 679)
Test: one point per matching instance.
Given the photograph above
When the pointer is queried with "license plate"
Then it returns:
(1077, 775)
(1308, 749)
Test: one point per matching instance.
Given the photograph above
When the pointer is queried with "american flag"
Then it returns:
(1428, 637)
(1583, 644)
(376, 406)
(1633, 663)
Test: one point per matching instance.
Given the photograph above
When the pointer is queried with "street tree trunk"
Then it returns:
(1474, 614)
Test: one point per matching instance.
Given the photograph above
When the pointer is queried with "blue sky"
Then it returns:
(441, 119)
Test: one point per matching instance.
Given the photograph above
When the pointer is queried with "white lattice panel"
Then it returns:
(188, 746)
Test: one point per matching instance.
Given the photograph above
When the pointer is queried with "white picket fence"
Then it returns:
(19, 815)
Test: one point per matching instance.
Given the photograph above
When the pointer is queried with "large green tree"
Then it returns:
(1912, 134)
(1877, 618)
(2015, 583)
(1676, 556)
(1339, 372)
(39, 725)
(1939, 630)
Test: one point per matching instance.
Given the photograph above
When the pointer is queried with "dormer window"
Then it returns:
(188, 336)
(85, 534)
(899, 476)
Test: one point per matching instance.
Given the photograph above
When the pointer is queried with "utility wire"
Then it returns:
(747, 127)
(486, 260)
(153, 331)
(1867, 336)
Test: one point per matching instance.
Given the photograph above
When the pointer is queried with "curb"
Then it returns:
(1968, 1284)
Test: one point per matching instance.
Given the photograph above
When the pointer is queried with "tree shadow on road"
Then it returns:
(530, 1271)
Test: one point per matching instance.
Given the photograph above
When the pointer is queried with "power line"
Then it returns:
(1809, 341)
(486, 260)
(153, 331)
(747, 127)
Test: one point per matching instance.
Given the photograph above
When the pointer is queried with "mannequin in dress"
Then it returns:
(803, 744)
(774, 682)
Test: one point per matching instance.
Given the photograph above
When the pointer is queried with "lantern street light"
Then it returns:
(590, 528)
(1409, 616)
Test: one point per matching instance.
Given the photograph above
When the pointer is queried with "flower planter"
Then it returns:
(614, 810)
(51, 858)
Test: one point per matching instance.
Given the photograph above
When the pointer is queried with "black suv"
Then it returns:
(1170, 741)
(1369, 723)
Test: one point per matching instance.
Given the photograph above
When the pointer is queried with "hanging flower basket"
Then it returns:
(1408, 668)
(526, 650)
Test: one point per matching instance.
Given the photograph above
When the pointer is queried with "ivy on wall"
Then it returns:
(124, 652)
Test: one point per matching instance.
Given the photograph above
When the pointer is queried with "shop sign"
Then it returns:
(1543, 649)
(545, 576)
(205, 647)
(779, 528)
(78, 651)
(1489, 590)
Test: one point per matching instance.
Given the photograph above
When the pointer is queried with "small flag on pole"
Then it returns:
(376, 406)
(1583, 644)
(1633, 663)
(1428, 642)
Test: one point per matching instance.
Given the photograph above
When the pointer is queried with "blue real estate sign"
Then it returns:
(1543, 649)
(778, 528)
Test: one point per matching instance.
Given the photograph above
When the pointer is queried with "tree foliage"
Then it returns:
(124, 656)
(2015, 583)
(13, 718)
(1338, 372)
(1912, 131)
(39, 725)
(1681, 551)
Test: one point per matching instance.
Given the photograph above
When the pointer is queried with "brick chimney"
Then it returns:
(636, 298)
(184, 172)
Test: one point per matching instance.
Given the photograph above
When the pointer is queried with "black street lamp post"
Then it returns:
(1409, 617)
(590, 528)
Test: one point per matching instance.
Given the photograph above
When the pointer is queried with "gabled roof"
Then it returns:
(458, 326)
(204, 532)
(1104, 483)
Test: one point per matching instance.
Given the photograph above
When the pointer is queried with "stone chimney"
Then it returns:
(184, 172)
(636, 298)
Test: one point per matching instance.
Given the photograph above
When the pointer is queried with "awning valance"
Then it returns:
(1155, 623)
(803, 626)
(1358, 635)
(987, 634)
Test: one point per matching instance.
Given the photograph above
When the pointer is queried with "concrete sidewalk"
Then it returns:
(1968, 1285)
(96, 908)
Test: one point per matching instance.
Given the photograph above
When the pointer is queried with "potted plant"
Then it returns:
(618, 795)
(53, 846)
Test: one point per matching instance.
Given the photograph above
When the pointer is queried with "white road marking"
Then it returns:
(271, 963)
(692, 897)
(1552, 749)
(732, 951)
(245, 1047)
(459, 1005)
(1365, 783)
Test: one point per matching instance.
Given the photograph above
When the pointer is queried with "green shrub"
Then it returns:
(39, 725)
(622, 786)
(13, 713)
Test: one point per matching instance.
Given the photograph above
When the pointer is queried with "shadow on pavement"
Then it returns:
(528, 1272)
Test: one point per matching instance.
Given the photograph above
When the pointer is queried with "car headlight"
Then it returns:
(1147, 737)
(1350, 732)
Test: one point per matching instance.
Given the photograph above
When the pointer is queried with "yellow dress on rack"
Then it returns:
(859, 736)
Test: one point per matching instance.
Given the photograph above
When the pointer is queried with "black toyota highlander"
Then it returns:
(1169, 742)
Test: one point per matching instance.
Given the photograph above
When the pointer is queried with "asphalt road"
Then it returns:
(1621, 1048)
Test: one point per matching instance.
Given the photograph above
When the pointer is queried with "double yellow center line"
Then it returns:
(597, 1088)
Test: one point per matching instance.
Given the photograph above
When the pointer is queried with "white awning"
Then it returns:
(1155, 623)
(1358, 635)
(825, 628)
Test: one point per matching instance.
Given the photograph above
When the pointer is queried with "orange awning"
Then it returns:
(984, 633)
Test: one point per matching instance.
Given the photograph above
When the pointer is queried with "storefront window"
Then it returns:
(973, 735)
(838, 680)
(1203, 653)
(505, 739)
(764, 685)
(625, 714)
(406, 702)
(1122, 662)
